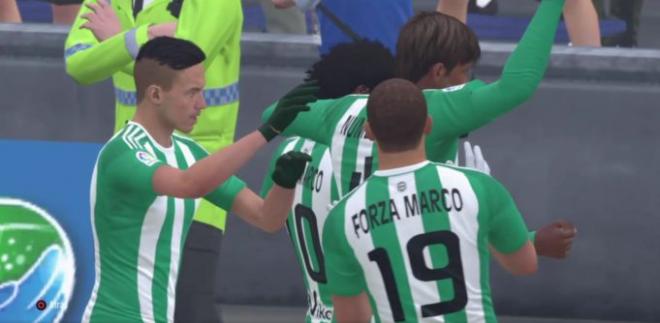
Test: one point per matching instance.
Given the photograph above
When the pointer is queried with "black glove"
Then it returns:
(289, 168)
(288, 107)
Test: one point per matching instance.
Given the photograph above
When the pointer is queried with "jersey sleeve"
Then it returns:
(343, 271)
(133, 171)
(507, 231)
(315, 124)
(209, 24)
(89, 61)
(459, 111)
(225, 194)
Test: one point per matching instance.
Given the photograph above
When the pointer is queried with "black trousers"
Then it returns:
(196, 289)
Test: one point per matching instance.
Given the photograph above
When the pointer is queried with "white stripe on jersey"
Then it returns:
(466, 226)
(190, 160)
(124, 136)
(177, 233)
(361, 247)
(139, 137)
(97, 260)
(153, 223)
(338, 140)
(423, 292)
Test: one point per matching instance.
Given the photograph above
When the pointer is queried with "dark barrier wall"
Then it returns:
(584, 148)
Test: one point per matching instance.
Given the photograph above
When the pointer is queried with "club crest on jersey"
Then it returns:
(146, 158)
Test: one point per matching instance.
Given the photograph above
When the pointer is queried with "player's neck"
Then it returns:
(161, 133)
(390, 160)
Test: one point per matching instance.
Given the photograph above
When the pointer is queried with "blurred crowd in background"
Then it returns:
(592, 23)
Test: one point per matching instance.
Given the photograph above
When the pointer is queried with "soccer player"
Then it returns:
(437, 52)
(103, 43)
(414, 239)
(148, 181)
(348, 68)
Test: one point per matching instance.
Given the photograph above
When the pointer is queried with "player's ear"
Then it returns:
(428, 125)
(367, 130)
(438, 73)
(154, 93)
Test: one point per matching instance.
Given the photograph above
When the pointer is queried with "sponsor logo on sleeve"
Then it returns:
(146, 158)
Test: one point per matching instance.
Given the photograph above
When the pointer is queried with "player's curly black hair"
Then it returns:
(350, 65)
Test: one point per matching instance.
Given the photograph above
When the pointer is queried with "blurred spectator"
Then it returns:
(64, 11)
(582, 23)
(627, 10)
(343, 21)
(579, 15)
(283, 21)
(9, 11)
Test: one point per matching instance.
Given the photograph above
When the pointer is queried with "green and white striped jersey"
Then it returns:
(416, 239)
(138, 234)
(455, 111)
(313, 197)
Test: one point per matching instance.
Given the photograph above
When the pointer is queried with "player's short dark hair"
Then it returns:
(430, 38)
(397, 112)
(160, 58)
(349, 65)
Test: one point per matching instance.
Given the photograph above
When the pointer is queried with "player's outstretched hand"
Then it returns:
(288, 107)
(554, 240)
(289, 168)
(474, 158)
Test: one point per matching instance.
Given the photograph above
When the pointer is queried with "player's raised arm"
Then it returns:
(474, 105)
(525, 67)
(210, 172)
(270, 214)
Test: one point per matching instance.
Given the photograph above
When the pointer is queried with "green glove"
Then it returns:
(289, 168)
(288, 107)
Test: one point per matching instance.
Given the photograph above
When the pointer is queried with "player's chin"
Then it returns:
(186, 128)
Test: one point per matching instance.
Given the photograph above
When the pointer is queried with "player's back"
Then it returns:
(313, 197)
(417, 240)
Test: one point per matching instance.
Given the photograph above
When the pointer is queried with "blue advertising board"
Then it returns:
(46, 244)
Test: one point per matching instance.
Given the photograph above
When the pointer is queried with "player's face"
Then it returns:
(186, 98)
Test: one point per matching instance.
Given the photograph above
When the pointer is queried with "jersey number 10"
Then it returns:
(302, 212)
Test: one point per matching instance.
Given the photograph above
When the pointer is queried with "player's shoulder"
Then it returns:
(480, 181)
(301, 144)
(465, 87)
(343, 102)
(341, 202)
(472, 174)
(128, 140)
(183, 142)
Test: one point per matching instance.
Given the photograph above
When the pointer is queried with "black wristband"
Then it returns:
(268, 131)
